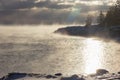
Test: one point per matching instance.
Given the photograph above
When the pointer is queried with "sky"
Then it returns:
(50, 11)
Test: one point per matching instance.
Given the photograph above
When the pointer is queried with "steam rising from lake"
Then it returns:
(37, 49)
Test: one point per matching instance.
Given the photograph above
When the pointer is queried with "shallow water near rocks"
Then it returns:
(37, 49)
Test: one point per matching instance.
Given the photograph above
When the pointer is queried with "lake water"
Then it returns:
(37, 49)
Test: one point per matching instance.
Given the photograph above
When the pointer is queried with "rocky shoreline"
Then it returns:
(101, 74)
(94, 30)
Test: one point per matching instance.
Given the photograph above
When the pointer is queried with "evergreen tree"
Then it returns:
(88, 21)
(113, 15)
(101, 18)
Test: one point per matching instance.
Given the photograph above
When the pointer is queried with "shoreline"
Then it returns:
(92, 31)
(101, 74)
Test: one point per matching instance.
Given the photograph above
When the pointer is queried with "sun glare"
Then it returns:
(96, 3)
(93, 53)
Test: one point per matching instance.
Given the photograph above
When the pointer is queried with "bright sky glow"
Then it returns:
(87, 2)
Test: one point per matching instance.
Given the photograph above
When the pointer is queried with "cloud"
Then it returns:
(49, 11)
(39, 17)
(51, 4)
(28, 4)
(17, 4)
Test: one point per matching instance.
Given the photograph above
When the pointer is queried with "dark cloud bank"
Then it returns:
(45, 12)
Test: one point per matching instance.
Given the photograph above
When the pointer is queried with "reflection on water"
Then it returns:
(93, 54)
(38, 50)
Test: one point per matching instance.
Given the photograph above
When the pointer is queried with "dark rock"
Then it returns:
(118, 72)
(113, 73)
(3, 78)
(58, 74)
(117, 78)
(54, 77)
(101, 72)
(74, 77)
(12, 76)
(50, 76)
(35, 75)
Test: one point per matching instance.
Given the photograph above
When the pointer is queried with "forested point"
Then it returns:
(112, 17)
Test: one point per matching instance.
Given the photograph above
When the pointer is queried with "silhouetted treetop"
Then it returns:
(101, 18)
(88, 21)
(113, 15)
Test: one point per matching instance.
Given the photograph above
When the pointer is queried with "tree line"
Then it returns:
(112, 17)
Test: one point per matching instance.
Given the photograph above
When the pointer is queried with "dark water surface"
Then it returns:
(38, 50)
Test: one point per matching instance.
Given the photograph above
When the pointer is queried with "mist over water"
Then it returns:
(37, 49)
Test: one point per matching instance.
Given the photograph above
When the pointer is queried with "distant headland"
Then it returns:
(94, 30)
(108, 25)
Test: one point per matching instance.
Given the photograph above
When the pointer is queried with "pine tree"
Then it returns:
(101, 18)
(113, 15)
(88, 21)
